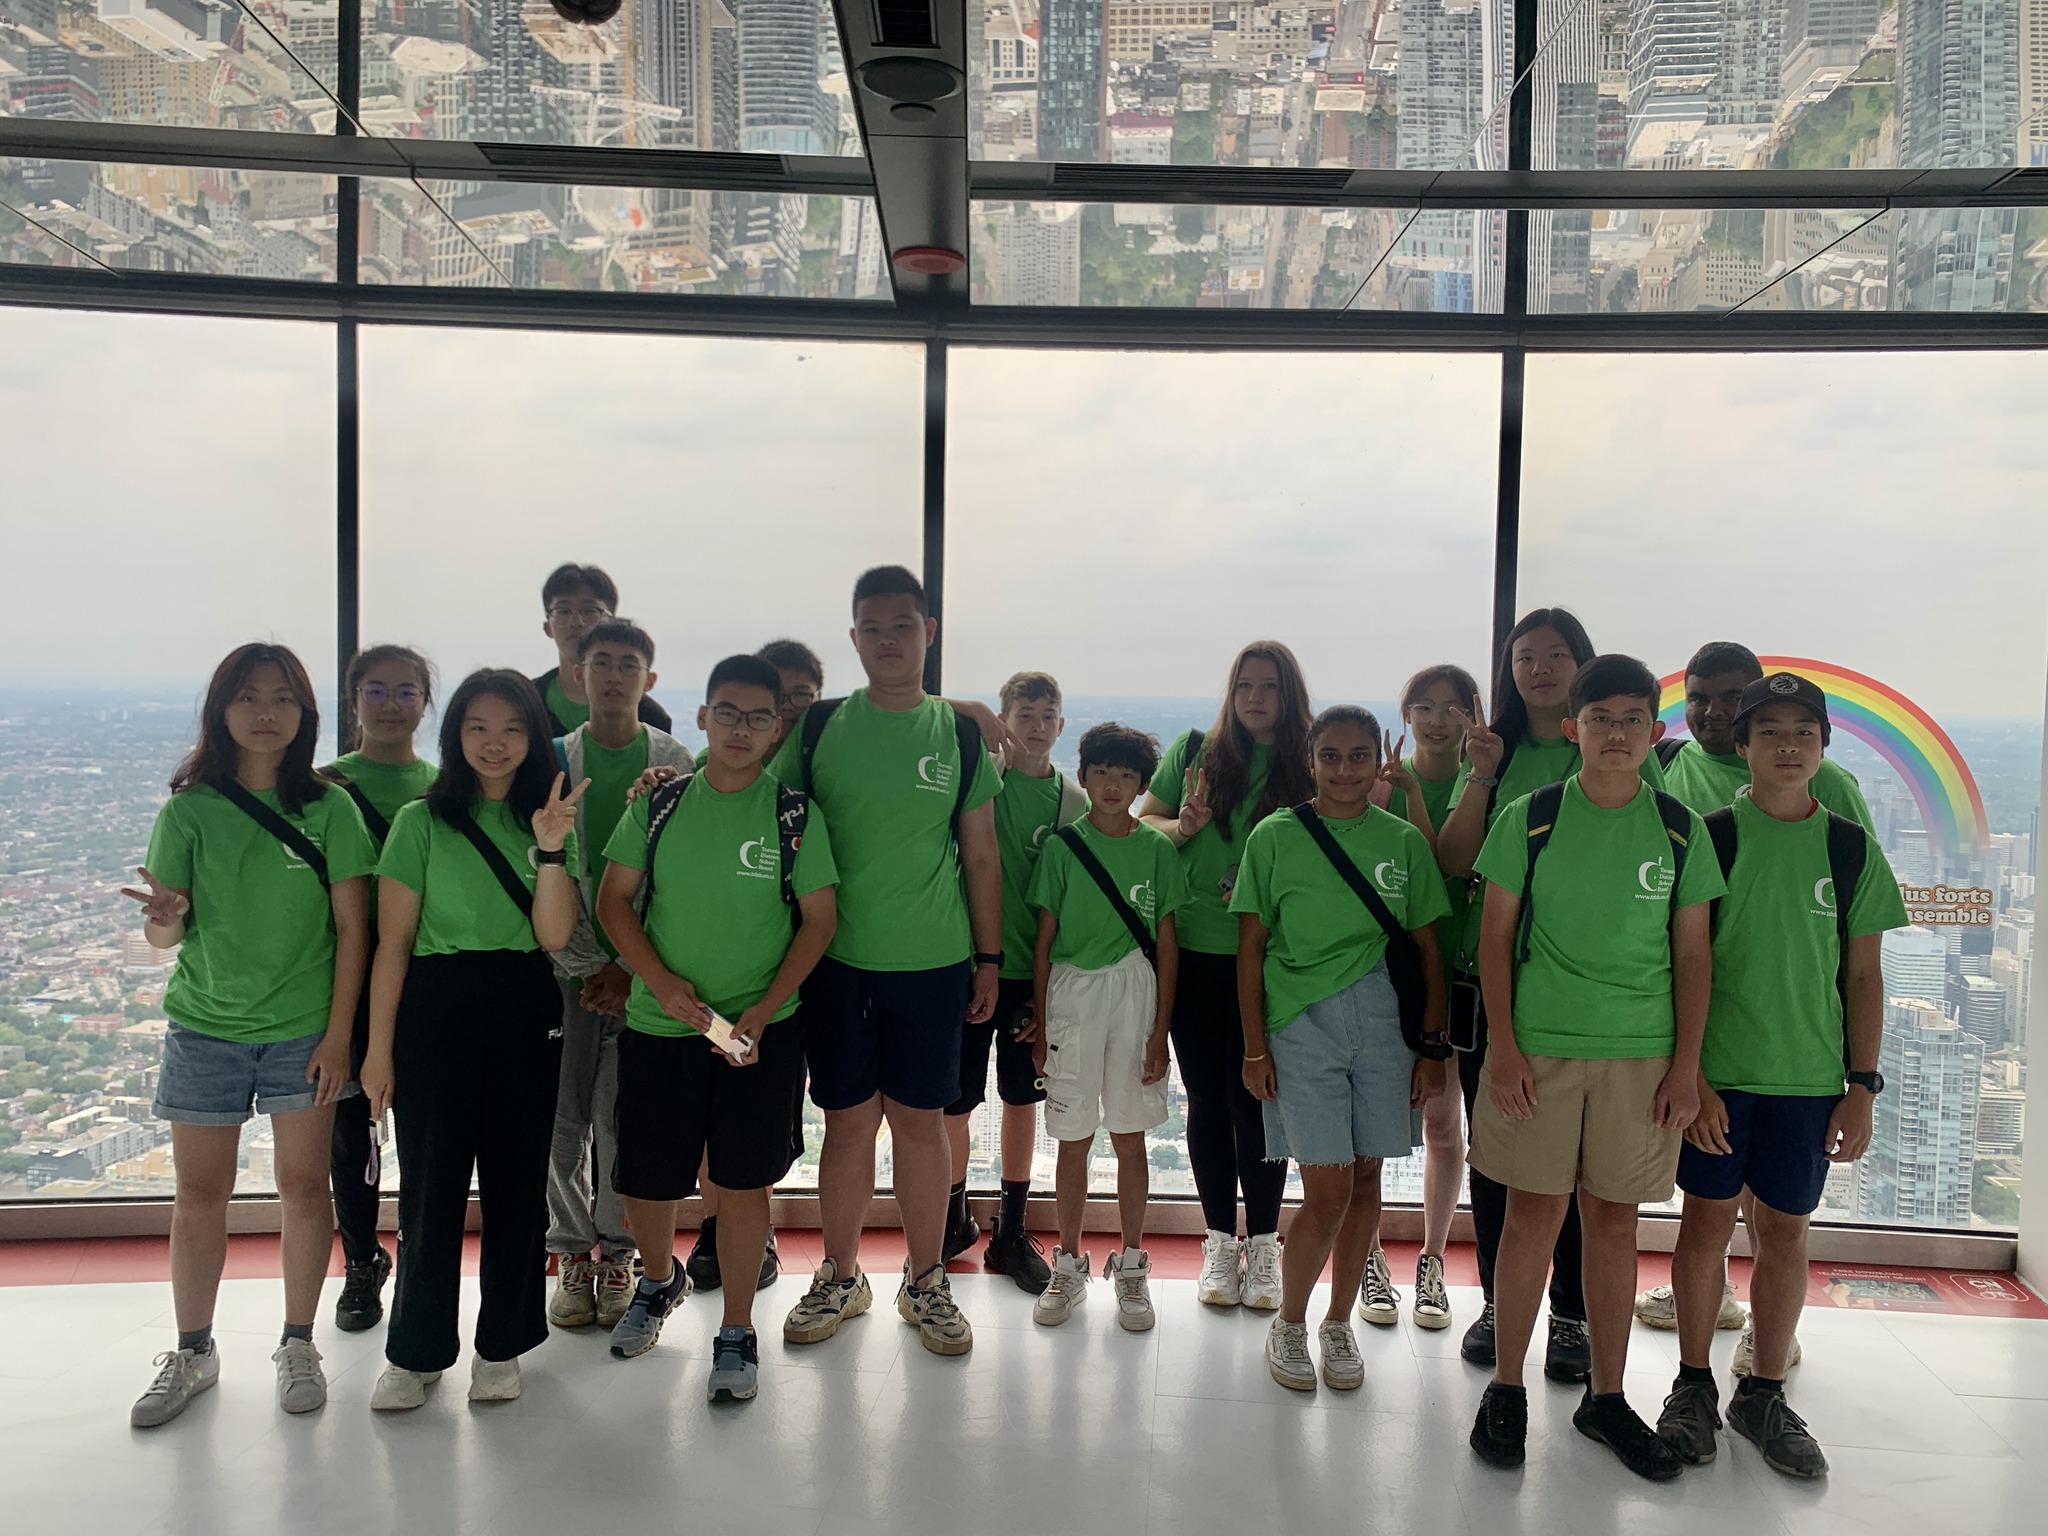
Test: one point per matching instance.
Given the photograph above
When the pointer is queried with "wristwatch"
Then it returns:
(1436, 1047)
(986, 959)
(551, 856)
(1873, 1081)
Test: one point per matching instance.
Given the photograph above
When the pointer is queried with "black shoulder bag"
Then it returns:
(494, 856)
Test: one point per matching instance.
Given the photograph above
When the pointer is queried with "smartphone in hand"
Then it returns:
(720, 1033)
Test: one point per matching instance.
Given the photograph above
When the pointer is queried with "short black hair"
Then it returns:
(1718, 656)
(565, 580)
(794, 656)
(623, 632)
(587, 13)
(890, 581)
(1613, 677)
(1110, 745)
(751, 671)
(1345, 714)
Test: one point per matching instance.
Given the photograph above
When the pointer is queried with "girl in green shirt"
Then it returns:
(1207, 797)
(257, 873)
(391, 687)
(478, 885)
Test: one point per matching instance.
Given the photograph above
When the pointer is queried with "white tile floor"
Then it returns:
(1933, 1424)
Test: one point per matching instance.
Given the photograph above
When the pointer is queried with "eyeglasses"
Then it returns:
(729, 715)
(589, 613)
(1600, 723)
(625, 666)
(799, 698)
(376, 695)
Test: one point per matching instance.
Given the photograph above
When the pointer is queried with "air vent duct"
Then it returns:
(905, 24)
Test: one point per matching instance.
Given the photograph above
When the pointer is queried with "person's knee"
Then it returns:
(906, 1121)
(861, 1120)
(1709, 1223)
(197, 1192)
(304, 1187)
(1777, 1233)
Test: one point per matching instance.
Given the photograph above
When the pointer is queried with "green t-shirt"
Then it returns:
(1597, 982)
(257, 964)
(1208, 859)
(1775, 1022)
(1535, 764)
(611, 771)
(886, 782)
(462, 906)
(1026, 812)
(1707, 782)
(564, 709)
(1146, 868)
(1436, 799)
(385, 787)
(717, 917)
(1321, 938)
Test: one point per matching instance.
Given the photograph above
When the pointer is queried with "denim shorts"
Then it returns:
(206, 1080)
(1344, 1075)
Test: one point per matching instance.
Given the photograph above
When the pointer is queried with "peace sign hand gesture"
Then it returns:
(160, 904)
(1393, 771)
(1483, 747)
(1194, 802)
(553, 822)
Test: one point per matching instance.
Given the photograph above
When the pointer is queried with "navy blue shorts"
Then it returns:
(1017, 1078)
(1780, 1151)
(896, 1033)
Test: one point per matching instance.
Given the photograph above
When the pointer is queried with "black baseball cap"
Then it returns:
(1785, 688)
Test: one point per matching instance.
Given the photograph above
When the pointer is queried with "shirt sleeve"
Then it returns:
(1426, 901)
(1166, 778)
(1169, 880)
(350, 852)
(170, 847)
(1877, 906)
(1504, 856)
(787, 764)
(988, 780)
(628, 845)
(815, 867)
(1702, 881)
(405, 850)
(1253, 892)
(1048, 879)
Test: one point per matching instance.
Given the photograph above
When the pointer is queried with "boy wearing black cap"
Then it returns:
(1798, 996)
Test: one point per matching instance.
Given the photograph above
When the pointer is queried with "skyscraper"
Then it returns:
(782, 111)
(1442, 85)
(1745, 88)
(1923, 1149)
(1072, 80)
(1915, 964)
(1674, 54)
(1565, 137)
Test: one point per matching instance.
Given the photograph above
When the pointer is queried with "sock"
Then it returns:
(956, 1207)
(297, 1331)
(1750, 1386)
(1015, 1193)
(1697, 1375)
(199, 1340)
(666, 1287)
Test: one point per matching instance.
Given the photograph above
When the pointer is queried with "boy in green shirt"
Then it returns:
(1593, 942)
(734, 850)
(572, 599)
(612, 748)
(1798, 995)
(1103, 970)
(1036, 800)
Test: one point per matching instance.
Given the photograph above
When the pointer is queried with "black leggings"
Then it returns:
(478, 1056)
(1490, 1200)
(1226, 1128)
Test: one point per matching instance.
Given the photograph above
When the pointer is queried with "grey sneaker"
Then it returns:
(182, 1374)
(829, 1302)
(1744, 1363)
(1378, 1302)
(735, 1365)
(1287, 1356)
(301, 1384)
(927, 1303)
(1432, 1297)
(574, 1304)
(1767, 1420)
(639, 1326)
(1658, 1308)
(1691, 1421)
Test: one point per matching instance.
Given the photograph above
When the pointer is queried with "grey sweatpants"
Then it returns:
(586, 1106)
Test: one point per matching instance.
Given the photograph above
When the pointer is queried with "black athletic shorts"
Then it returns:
(680, 1099)
(1017, 1078)
(896, 1033)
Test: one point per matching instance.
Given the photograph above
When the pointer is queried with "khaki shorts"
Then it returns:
(1595, 1128)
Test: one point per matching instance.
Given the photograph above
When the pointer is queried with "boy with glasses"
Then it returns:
(573, 599)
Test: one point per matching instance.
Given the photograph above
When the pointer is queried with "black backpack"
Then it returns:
(1544, 806)
(965, 732)
(792, 815)
(1669, 748)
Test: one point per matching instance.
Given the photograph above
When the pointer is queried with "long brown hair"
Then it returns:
(1227, 752)
(215, 758)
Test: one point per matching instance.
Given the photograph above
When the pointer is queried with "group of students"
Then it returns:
(601, 974)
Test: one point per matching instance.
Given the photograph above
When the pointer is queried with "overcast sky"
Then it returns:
(1124, 520)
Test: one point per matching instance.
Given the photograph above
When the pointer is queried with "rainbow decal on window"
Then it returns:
(1899, 731)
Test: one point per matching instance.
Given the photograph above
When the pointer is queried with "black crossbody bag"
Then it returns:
(494, 856)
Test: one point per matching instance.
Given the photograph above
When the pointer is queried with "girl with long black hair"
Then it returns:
(477, 885)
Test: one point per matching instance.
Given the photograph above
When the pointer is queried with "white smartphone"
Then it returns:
(721, 1033)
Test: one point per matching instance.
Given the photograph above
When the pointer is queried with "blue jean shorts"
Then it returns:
(1344, 1075)
(206, 1080)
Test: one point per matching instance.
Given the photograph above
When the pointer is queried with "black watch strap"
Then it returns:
(985, 959)
(551, 856)
(1874, 1081)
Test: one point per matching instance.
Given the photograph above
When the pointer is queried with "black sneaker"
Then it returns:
(1500, 1434)
(1478, 1346)
(959, 1239)
(1018, 1254)
(1616, 1425)
(362, 1294)
(1767, 1420)
(702, 1264)
(1691, 1420)
(771, 1264)
(1569, 1355)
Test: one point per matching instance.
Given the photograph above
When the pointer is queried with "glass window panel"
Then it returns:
(1343, 503)
(1871, 514)
(1187, 256)
(168, 218)
(255, 64)
(621, 239)
(183, 521)
(1187, 82)
(764, 76)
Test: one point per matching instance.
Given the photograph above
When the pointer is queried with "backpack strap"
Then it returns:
(269, 820)
(1404, 955)
(967, 736)
(1073, 802)
(373, 818)
(1544, 805)
(562, 755)
(661, 805)
(816, 718)
(1677, 819)
(1848, 853)
(1720, 824)
(494, 856)
(1669, 748)
(1085, 856)
(792, 815)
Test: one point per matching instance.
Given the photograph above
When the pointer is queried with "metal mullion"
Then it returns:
(1507, 514)
(347, 516)
(935, 505)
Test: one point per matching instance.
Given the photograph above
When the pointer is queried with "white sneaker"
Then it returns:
(829, 1302)
(1744, 1362)
(612, 1284)
(1067, 1289)
(1129, 1273)
(926, 1302)
(574, 1304)
(1378, 1302)
(1658, 1308)
(1287, 1355)
(493, 1381)
(301, 1384)
(182, 1374)
(1222, 1282)
(399, 1390)
(1343, 1365)
(1432, 1297)
(1262, 1272)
